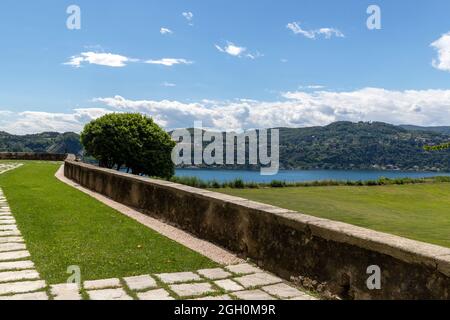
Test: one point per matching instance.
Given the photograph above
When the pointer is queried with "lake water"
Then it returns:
(301, 175)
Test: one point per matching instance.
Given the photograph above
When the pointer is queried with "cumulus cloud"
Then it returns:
(327, 33)
(442, 46)
(102, 59)
(34, 122)
(165, 31)
(299, 109)
(169, 62)
(237, 51)
(294, 109)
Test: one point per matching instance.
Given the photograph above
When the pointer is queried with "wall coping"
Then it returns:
(407, 250)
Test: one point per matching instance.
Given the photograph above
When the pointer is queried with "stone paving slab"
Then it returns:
(217, 298)
(11, 240)
(244, 268)
(158, 294)
(283, 291)
(258, 279)
(17, 265)
(7, 222)
(140, 283)
(192, 289)
(8, 228)
(102, 284)
(15, 255)
(65, 292)
(109, 294)
(21, 287)
(36, 296)
(179, 277)
(214, 274)
(18, 275)
(228, 285)
(304, 297)
(5, 247)
(15, 233)
(253, 295)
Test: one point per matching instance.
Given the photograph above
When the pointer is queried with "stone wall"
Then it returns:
(32, 156)
(287, 243)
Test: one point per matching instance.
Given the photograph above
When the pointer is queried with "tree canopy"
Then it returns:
(130, 140)
(444, 146)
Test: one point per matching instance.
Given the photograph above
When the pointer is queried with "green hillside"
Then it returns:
(51, 142)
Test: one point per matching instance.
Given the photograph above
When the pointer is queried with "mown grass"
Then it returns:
(64, 227)
(416, 211)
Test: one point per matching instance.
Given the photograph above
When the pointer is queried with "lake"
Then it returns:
(301, 175)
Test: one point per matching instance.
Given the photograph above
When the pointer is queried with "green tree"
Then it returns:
(130, 140)
(444, 146)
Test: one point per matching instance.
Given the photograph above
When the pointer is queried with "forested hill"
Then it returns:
(341, 145)
(51, 142)
(444, 130)
(346, 145)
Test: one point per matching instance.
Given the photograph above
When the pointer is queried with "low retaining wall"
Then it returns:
(32, 156)
(284, 242)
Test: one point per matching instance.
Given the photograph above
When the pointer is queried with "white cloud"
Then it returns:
(312, 87)
(231, 49)
(103, 59)
(34, 122)
(189, 16)
(237, 51)
(168, 84)
(165, 31)
(295, 109)
(115, 60)
(327, 33)
(442, 46)
(169, 62)
(299, 109)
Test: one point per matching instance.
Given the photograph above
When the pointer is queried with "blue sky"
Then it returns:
(231, 64)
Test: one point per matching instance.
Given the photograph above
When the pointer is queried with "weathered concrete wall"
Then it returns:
(32, 156)
(285, 242)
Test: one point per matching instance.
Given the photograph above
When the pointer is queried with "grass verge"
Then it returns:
(64, 227)
(416, 211)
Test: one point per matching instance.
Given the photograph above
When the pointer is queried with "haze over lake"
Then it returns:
(302, 175)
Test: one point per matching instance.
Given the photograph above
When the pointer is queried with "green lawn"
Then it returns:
(419, 212)
(64, 227)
